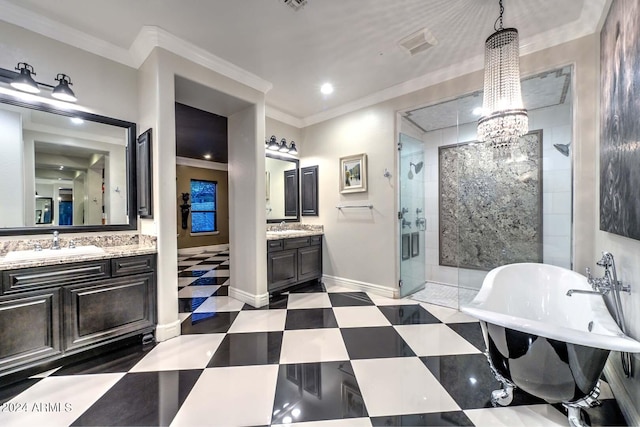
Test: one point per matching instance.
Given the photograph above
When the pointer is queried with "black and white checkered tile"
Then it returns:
(331, 356)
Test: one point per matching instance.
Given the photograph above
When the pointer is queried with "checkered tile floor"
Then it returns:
(315, 354)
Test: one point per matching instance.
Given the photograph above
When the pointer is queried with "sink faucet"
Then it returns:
(56, 241)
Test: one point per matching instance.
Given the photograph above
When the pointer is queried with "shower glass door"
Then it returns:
(412, 222)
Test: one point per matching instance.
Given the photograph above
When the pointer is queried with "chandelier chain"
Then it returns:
(495, 25)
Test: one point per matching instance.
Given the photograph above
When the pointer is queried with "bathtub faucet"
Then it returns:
(602, 285)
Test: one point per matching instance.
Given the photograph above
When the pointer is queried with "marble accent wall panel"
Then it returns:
(620, 128)
(490, 209)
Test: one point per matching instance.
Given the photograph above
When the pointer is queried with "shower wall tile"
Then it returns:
(547, 201)
(557, 181)
(561, 134)
(556, 225)
(561, 202)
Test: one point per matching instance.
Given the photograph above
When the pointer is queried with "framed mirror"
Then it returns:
(282, 188)
(64, 170)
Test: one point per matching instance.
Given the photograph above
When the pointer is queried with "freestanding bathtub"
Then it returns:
(541, 340)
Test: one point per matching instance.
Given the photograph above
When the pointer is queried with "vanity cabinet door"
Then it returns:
(282, 268)
(144, 173)
(309, 263)
(309, 190)
(29, 328)
(103, 310)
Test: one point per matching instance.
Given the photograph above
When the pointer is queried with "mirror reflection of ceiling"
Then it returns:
(70, 160)
(539, 91)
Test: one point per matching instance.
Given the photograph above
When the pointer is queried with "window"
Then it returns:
(203, 206)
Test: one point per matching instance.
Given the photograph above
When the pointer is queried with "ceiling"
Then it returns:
(351, 43)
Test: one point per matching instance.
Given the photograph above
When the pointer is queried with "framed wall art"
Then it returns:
(353, 174)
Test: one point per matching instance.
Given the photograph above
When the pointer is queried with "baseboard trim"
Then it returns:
(362, 286)
(198, 249)
(168, 331)
(627, 405)
(248, 298)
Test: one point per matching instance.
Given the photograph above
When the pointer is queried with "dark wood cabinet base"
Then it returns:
(293, 261)
(59, 313)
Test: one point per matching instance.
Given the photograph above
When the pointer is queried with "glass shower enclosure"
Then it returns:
(484, 209)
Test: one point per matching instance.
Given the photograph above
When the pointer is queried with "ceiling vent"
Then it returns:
(418, 42)
(295, 4)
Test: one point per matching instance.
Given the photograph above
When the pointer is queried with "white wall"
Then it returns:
(359, 244)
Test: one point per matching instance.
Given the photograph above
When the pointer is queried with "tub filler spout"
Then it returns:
(582, 291)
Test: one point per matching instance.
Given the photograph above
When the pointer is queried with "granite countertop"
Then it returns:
(292, 231)
(113, 246)
(109, 252)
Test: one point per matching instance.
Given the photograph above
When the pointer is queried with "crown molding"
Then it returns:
(150, 37)
(281, 116)
(32, 21)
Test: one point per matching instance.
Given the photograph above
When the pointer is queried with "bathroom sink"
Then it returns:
(50, 253)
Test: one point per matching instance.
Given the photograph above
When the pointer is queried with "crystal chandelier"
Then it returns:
(504, 117)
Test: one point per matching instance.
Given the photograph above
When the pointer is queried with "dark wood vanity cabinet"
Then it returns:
(293, 261)
(51, 312)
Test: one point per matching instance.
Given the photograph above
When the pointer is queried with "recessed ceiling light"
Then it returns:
(77, 120)
(207, 156)
(61, 167)
(326, 88)
(477, 111)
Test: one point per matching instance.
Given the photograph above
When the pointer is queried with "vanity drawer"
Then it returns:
(297, 242)
(53, 275)
(316, 240)
(132, 265)
(274, 245)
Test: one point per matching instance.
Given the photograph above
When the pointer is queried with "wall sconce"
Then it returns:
(22, 80)
(184, 208)
(272, 144)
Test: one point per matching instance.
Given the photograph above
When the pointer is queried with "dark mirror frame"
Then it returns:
(297, 163)
(131, 173)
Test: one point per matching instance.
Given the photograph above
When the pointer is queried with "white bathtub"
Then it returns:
(532, 298)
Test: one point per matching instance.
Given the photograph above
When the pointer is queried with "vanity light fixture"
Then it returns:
(272, 144)
(504, 117)
(23, 81)
(63, 92)
(283, 146)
